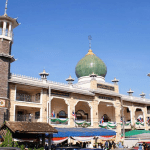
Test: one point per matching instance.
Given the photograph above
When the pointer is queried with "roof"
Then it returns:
(135, 133)
(29, 127)
(67, 132)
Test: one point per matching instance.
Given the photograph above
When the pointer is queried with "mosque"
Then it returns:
(90, 103)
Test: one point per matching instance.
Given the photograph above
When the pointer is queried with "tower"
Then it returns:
(7, 24)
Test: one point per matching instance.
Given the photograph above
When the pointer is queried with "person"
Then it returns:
(110, 144)
(30, 117)
(84, 145)
(99, 145)
(144, 145)
(46, 147)
(140, 147)
(106, 145)
(120, 145)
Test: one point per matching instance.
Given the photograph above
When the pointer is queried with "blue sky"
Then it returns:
(54, 35)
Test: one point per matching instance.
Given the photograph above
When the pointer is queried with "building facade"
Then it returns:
(91, 102)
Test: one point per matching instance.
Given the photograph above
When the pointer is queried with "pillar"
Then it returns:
(132, 115)
(69, 114)
(117, 118)
(10, 30)
(49, 142)
(144, 110)
(4, 28)
(43, 140)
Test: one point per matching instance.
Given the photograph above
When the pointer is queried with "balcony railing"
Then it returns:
(28, 98)
(27, 118)
(61, 121)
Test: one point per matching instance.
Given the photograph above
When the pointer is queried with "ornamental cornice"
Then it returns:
(135, 99)
(54, 85)
(106, 92)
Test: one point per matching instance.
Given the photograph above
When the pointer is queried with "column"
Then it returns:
(49, 143)
(10, 30)
(132, 115)
(41, 96)
(43, 140)
(15, 92)
(95, 114)
(91, 116)
(69, 114)
(4, 28)
(117, 118)
(1, 29)
(144, 110)
(41, 119)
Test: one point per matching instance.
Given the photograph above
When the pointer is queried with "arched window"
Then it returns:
(80, 114)
(106, 118)
(62, 114)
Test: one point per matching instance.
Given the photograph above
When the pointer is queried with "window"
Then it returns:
(37, 115)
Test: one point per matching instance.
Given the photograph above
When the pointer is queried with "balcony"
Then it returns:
(28, 118)
(28, 97)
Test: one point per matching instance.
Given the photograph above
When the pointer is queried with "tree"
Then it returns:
(8, 142)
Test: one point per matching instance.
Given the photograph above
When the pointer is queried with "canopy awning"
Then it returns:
(135, 133)
(78, 132)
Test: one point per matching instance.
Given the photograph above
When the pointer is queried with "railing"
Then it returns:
(28, 98)
(6, 33)
(61, 121)
(27, 118)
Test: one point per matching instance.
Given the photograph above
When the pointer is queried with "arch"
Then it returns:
(83, 110)
(80, 114)
(106, 108)
(62, 114)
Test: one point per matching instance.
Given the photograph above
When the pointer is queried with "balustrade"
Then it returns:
(27, 118)
(28, 98)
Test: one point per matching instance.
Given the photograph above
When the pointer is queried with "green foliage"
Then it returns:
(16, 144)
(30, 149)
(42, 148)
(8, 142)
(21, 147)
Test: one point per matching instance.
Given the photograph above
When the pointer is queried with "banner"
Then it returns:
(105, 137)
(59, 140)
(61, 120)
(83, 139)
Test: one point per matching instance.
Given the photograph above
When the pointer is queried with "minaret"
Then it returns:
(7, 24)
(44, 75)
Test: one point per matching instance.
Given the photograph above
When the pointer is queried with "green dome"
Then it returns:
(90, 64)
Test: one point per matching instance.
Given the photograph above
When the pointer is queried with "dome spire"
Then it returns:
(89, 38)
(90, 52)
(5, 13)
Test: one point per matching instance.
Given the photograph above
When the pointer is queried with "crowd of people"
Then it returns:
(105, 145)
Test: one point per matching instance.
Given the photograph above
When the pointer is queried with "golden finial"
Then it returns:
(90, 52)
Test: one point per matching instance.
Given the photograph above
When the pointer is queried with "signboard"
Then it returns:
(102, 86)
(59, 93)
(2, 103)
(105, 97)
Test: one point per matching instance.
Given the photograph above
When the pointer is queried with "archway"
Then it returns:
(106, 111)
(83, 111)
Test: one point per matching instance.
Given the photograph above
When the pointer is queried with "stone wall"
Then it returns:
(5, 46)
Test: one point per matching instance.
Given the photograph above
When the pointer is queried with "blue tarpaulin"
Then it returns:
(67, 132)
